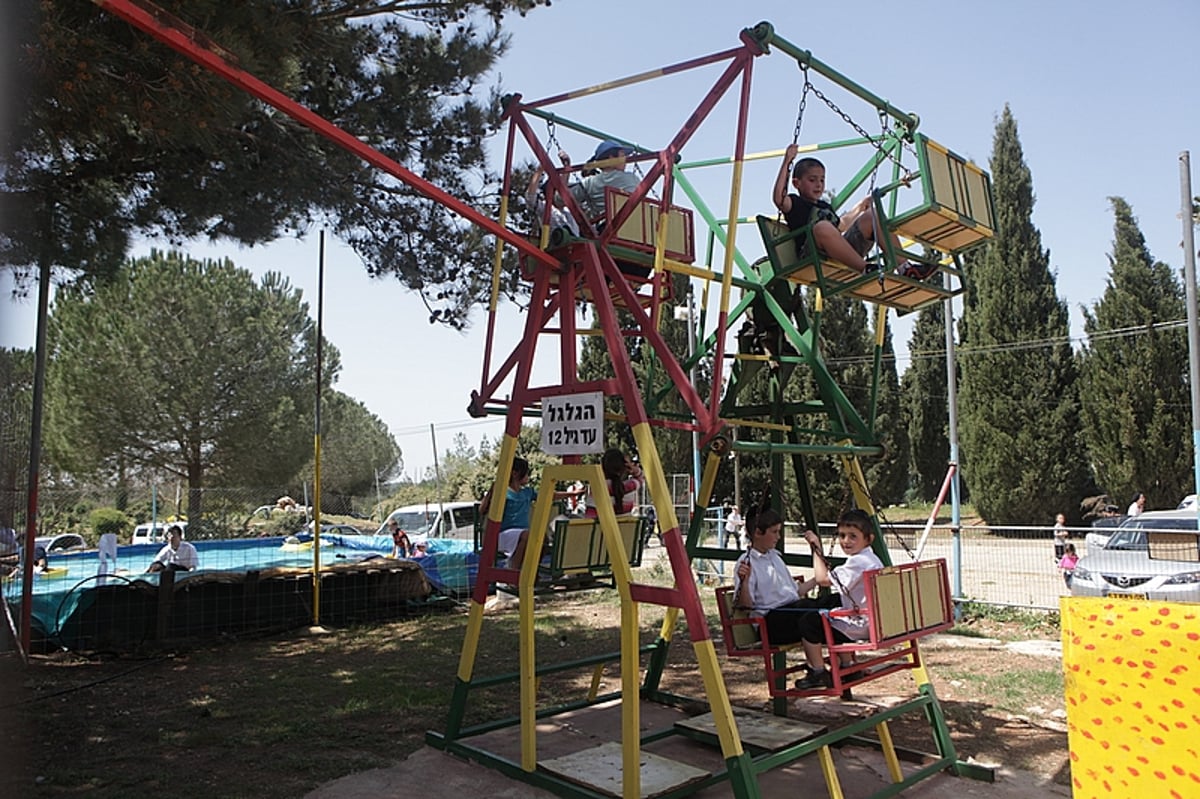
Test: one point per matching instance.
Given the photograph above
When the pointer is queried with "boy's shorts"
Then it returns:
(855, 238)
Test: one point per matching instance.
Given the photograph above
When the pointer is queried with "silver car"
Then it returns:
(1125, 569)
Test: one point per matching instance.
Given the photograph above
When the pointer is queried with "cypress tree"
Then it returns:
(1136, 405)
(1019, 410)
(888, 476)
(924, 402)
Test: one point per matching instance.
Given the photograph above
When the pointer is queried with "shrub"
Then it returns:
(109, 520)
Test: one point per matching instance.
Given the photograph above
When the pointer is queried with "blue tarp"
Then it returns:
(450, 565)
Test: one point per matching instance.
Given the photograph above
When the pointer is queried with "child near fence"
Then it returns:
(1066, 565)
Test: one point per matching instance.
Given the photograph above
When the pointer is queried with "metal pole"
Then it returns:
(691, 320)
(1189, 279)
(437, 473)
(316, 618)
(952, 403)
(35, 448)
(378, 498)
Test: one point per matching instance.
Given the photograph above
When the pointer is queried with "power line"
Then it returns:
(1019, 346)
(424, 428)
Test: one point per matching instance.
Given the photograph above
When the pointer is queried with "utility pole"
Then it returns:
(1189, 279)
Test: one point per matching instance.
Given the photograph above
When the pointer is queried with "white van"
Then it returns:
(435, 520)
(155, 533)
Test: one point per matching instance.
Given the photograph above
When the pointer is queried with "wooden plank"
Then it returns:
(600, 768)
(762, 730)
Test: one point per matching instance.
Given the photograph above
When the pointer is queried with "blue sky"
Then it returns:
(1104, 94)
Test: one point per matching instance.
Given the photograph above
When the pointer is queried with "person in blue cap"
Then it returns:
(589, 192)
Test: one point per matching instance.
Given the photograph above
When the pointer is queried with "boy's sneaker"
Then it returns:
(815, 681)
(916, 271)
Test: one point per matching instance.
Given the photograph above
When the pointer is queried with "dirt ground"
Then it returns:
(280, 716)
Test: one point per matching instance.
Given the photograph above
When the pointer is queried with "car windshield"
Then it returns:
(1133, 535)
(1129, 538)
(417, 522)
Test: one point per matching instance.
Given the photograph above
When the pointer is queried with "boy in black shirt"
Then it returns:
(846, 240)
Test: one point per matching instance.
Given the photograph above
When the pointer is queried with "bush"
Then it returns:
(288, 523)
(109, 520)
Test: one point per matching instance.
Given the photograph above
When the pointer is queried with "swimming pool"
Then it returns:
(62, 599)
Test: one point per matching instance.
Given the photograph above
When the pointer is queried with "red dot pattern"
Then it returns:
(1132, 682)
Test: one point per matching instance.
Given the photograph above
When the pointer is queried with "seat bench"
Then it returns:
(904, 604)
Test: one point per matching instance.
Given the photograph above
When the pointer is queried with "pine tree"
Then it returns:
(1019, 409)
(185, 367)
(1136, 405)
(114, 135)
(924, 401)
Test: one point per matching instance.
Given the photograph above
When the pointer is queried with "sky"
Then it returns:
(1104, 95)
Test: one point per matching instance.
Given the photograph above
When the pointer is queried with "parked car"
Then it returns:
(1102, 530)
(1188, 503)
(1124, 568)
(335, 529)
(154, 532)
(434, 520)
(63, 542)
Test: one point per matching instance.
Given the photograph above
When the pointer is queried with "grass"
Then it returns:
(276, 717)
(1024, 623)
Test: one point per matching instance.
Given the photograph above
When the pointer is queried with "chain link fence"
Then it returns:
(996, 565)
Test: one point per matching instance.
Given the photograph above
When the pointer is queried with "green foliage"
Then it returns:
(16, 404)
(1136, 403)
(847, 348)
(110, 520)
(183, 367)
(288, 523)
(888, 477)
(924, 402)
(1020, 426)
(116, 135)
(356, 449)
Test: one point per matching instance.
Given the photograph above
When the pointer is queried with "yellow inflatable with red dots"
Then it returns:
(1132, 683)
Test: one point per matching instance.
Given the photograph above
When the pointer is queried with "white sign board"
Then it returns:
(573, 424)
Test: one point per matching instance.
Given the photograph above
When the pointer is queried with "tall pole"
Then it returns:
(692, 375)
(35, 449)
(952, 424)
(437, 473)
(317, 439)
(1189, 279)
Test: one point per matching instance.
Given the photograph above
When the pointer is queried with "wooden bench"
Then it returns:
(577, 556)
(632, 245)
(904, 603)
(578, 551)
(835, 278)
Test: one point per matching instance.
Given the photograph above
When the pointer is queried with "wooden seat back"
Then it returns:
(904, 603)
(956, 211)
(639, 231)
(578, 546)
(834, 278)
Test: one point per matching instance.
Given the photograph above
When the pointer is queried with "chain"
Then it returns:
(637, 170)
(861, 131)
(803, 102)
(551, 138)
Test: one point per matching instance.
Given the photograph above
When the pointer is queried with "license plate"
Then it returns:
(1126, 596)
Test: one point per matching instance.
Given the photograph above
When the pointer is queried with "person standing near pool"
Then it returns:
(401, 544)
(177, 555)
